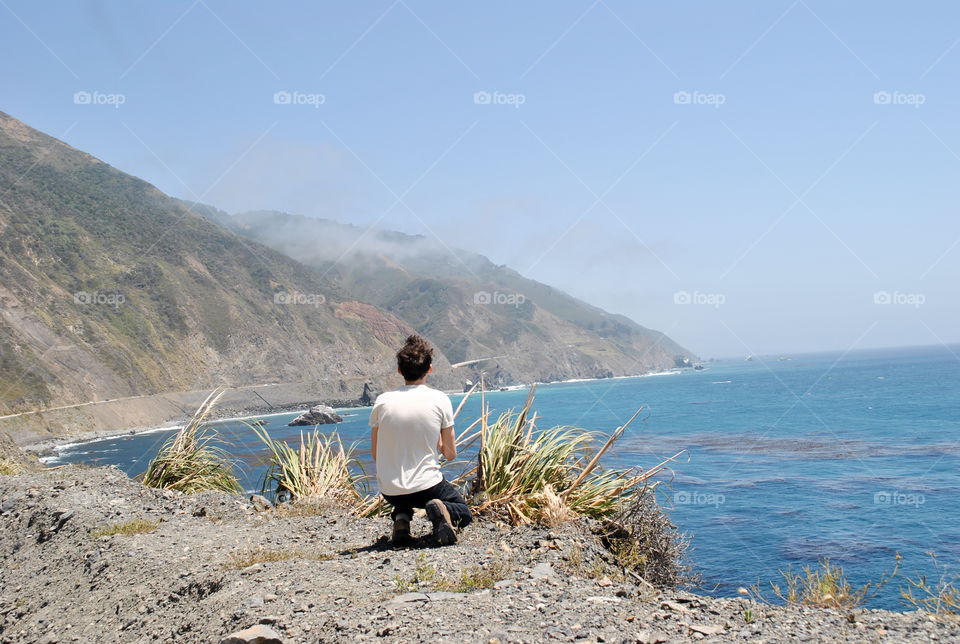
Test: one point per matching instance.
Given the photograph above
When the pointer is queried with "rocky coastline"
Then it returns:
(91, 555)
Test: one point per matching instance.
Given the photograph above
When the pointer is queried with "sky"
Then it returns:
(748, 177)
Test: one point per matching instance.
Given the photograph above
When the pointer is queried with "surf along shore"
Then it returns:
(42, 431)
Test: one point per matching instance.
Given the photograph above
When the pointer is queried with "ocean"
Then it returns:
(852, 457)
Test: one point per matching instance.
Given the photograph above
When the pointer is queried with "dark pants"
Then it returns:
(456, 505)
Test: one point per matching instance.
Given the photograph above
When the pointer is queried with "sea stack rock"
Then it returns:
(370, 393)
(319, 415)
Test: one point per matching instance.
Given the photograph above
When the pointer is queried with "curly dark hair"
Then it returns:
(415, 358)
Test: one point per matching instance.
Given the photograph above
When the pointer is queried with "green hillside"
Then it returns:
(109, 288)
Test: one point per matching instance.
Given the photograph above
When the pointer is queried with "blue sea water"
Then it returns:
(852, 457)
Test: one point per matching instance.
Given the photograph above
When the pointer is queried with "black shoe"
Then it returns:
(401, 529)
(442, 527)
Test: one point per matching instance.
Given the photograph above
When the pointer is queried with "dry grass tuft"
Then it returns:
(549, 508)
(942, 598)
(128, 528)
(9, 468)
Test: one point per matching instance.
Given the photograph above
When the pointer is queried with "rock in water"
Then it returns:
(370, 393)
(319, 415)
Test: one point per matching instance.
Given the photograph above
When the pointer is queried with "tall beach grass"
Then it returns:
(318, 468)
(193, 459)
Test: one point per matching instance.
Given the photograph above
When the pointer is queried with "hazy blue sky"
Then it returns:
(724, 172)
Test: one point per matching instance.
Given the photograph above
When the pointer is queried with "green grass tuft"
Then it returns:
(475, 578)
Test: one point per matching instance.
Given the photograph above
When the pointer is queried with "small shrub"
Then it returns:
(645, 545)
(423, 575)
(595, 569)
(942, 598)
(826, 586)
(191, 461)
(319, 468)
(136, 526)
(475, 578)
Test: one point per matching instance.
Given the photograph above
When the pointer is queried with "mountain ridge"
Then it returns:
(110, 288)
(388, 269)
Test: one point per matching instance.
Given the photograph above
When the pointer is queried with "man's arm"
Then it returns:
(373, 442)
(447, 444)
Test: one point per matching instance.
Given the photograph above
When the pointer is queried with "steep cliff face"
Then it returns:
(108, 288)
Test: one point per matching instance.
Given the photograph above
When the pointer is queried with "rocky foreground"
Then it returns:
(200, 568)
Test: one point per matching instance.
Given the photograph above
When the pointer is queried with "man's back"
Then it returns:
(409, 419)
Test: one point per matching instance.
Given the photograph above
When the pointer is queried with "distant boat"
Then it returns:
(698, 367)
(748, 359)
(783, 358)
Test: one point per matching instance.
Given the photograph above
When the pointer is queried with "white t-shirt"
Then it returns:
(410, 419)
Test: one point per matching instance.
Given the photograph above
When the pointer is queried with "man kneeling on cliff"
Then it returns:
(410, 428)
